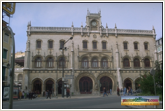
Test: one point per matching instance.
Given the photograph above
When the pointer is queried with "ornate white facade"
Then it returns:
(109, 56)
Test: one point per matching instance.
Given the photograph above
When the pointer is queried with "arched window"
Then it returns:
(50, 62)
(94, 62)
(84, 62)
(61, 62)
(126, 62)
(136, 62)
(38, 62)
(20, 77)
(104, 63)
(147, 62)
(84, 44)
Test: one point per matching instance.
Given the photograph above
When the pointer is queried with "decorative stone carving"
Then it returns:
(94, 36)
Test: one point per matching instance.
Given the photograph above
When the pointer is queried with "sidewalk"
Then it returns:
(72, 97)
(81, 96)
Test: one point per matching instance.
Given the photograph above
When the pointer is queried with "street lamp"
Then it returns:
(62, 48)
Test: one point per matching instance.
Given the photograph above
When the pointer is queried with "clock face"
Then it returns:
(93, 23)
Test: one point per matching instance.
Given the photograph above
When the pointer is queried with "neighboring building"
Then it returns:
(19, 54)
(159, 44)
(114, 57)
(19, 65)
(6, 53)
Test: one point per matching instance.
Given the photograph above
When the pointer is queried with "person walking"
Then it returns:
(130, 91)
(104, 91)
(118, 91)
(127, 91)
(23, 95)
(110, 91)
(48, 94)
(68, 92)
(20, 95)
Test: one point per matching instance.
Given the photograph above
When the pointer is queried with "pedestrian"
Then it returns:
(68, 92)
(110, 91)
(104, 91)
(20, 94)
(130, 91)
(124, 91)
(127, 91)
(43, 93)
(23, 95)
(118, 91)
(46, 94)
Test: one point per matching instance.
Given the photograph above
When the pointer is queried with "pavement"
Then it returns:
(82, 96)
(71, 97)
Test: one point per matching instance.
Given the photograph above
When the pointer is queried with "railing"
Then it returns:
(50, 29)
(78, 29)
(129, 31)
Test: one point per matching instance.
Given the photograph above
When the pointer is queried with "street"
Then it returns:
(110, 102)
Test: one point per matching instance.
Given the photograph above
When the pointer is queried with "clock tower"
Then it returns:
(93, 20)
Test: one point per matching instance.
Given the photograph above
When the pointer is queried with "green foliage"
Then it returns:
(147, 82)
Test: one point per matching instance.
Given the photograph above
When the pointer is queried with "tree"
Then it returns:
(147, 83)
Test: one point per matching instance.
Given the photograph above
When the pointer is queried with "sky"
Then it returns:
(140, 16)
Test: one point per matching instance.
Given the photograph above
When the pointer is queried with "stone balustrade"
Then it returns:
(78, 29)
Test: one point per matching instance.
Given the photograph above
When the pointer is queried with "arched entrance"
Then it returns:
(37, 86)
(49, 85)
(60, 87)
(127, 83)
(137, 84)
(85, 85)
(105, 82)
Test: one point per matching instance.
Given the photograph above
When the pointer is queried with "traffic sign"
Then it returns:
(69, 76)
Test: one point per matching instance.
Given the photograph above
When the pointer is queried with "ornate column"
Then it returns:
(106, 30)
(26, 82)
(72, 72)
(133, 85)
(119, 81)
(43, 88)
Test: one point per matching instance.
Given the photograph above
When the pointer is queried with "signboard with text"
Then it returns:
(6, 90)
